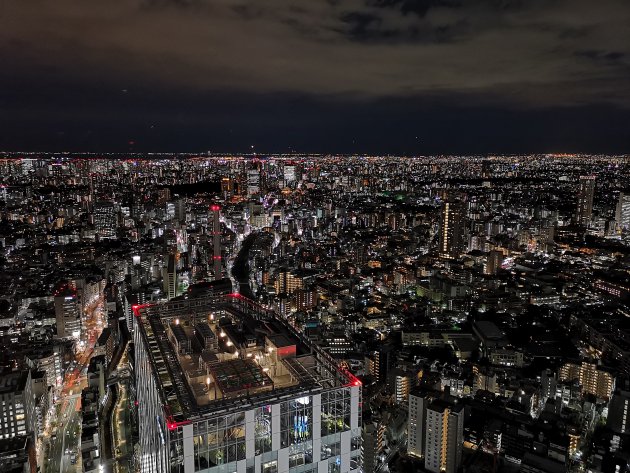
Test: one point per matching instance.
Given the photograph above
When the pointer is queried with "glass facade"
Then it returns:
(219, 441)
(292, 436)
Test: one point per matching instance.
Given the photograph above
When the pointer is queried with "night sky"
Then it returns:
(366, 76)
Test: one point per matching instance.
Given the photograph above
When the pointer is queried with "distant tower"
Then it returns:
(585, 200)
(253, 182)
(216, 241)
(105, 219)
(452, 227)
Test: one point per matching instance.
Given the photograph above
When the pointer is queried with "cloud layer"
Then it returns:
(531, 51)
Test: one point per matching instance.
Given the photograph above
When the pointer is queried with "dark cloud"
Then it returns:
(510, 55)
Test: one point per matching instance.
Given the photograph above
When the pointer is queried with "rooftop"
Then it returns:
(259, 357)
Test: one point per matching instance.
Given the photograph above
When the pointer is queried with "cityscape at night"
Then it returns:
(310, 313)
(315, 236)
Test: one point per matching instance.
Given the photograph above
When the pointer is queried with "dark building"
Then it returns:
(453, 226)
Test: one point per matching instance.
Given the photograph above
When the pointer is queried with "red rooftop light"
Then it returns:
(137, 307)
(215, 208)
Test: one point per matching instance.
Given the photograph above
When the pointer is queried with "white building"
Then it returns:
(435, 431)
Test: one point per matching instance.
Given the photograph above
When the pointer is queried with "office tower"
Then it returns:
(180, 210)
(622, 215)
(493, 262)
(216, 242)
(169, 277)
(253, 182)
(619, 411)
(452, 227)
(290, 173)
(67, 313)
(586, 193)
(267, 401)
(105, 219)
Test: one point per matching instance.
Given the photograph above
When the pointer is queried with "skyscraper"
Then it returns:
(444, 436)
(67, 313)
(622, 215)
(169, 277)
(290, 173)
(586, 193)
(452, 226)
(253, 182)
(216, 241)
(435, 431)
(105, 219)
(619, 410)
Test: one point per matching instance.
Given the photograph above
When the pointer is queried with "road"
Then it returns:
(68, 433)
(67, 428)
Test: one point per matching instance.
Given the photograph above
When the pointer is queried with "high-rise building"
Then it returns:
(216, 242)
(267, 401)
(14, 392)
(619, 411)
(585, 196)
(169, 277)
(379, 363)
(290, 173)
(435, 430)
(622, 215)
(105, 219)
(373, 443)
(444, 436)
(180, 210)
(404, 381)
(288, 281)
(416, 429)
(68, 313)
(493, 262)
(253, 182)
(452, 227)
(227, 186)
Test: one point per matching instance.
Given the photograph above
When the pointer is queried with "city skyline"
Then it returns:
(300, 314)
